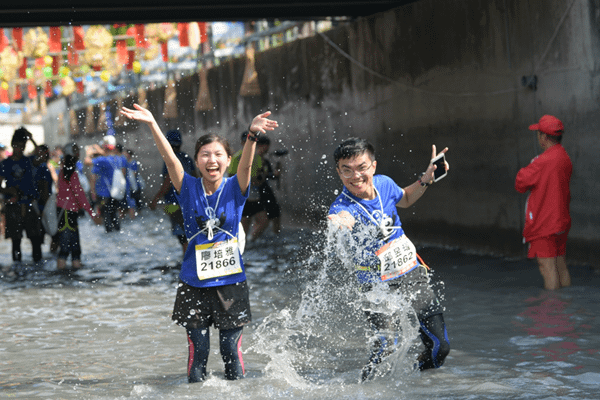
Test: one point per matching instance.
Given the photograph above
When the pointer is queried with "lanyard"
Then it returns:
(385, 229)
(211, 213)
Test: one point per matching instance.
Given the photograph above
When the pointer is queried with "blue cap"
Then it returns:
(174, 137)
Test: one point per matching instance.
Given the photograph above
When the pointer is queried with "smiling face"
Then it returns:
(356, 174)
(212, 161)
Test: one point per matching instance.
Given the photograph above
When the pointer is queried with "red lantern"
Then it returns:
(18, 37)
(78, 34)
(31, 91)
(184, 40)
(54, 45)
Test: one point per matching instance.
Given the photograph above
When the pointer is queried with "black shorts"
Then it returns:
(267, 198)
(22, 217)
(252, 208)
(225, 307)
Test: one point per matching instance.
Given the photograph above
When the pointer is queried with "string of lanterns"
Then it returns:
(60, 59)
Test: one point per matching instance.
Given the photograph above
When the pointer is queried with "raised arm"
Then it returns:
(413, 192)
(260, 125)
(166, 151)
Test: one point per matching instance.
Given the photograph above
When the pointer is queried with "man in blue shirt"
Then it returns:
(21, 197)
(383, 257)
(103, 168)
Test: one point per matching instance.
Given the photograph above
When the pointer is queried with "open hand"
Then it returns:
(262, 124)
(343, 219)
(139, 114)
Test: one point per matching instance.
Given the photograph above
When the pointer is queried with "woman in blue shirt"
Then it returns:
(213, 289)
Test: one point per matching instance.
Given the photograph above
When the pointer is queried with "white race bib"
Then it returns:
(397, 257)
(218, 259)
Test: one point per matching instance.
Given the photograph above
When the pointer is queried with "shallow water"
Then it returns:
(105, 332)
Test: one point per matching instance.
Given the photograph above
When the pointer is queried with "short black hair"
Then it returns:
(353, 147)
(21, 135)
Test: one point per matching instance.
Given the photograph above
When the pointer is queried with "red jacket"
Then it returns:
(547, 177)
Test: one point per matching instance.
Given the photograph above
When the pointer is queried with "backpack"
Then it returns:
(119, 183)
(117, 189)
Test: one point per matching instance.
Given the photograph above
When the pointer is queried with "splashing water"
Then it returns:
(299, 341)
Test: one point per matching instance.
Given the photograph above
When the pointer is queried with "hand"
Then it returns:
(139, 114)
(97, 219)
(428, 175)
(342, 220)
(262, 124)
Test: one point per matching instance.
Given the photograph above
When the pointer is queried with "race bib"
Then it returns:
(397, 258)
(218, 259)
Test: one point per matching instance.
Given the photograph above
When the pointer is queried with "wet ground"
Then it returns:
(104, 332)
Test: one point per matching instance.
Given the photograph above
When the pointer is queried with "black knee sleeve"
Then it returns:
(231, 352)
(435, 338)
(199, 347)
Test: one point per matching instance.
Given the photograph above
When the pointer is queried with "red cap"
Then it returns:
(550, 125)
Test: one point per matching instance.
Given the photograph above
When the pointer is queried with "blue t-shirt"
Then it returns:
(229, 211)
(103, 168)
(20, 174)
(367, 236)
(188, 166)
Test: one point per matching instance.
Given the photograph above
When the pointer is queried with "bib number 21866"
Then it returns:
(218, 259)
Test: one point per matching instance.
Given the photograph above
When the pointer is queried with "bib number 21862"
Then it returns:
(397, 258)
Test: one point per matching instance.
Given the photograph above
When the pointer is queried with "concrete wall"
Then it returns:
(443, 72)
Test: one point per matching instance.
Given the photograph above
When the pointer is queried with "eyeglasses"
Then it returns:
(349, 172)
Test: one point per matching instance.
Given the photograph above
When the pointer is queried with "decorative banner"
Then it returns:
(203, 35)
(31, 91)
(48, 89)
(122, 54)
(170, 110)
(164, 47)
(184, 40)
(4, 94)
(35, 43)
(194, 35)
(250, 85)
(3, 40)
(18, 95)
(203, 103)
(72, 56)
(78, 35)
(130, 59)
(18, 38)
(90, 120)
(54, 45)
(140, 40)
(55, 64)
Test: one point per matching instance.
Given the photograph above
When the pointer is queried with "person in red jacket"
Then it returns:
(547, 218)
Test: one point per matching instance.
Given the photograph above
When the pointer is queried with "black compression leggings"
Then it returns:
(435, 338)
(231, 352)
